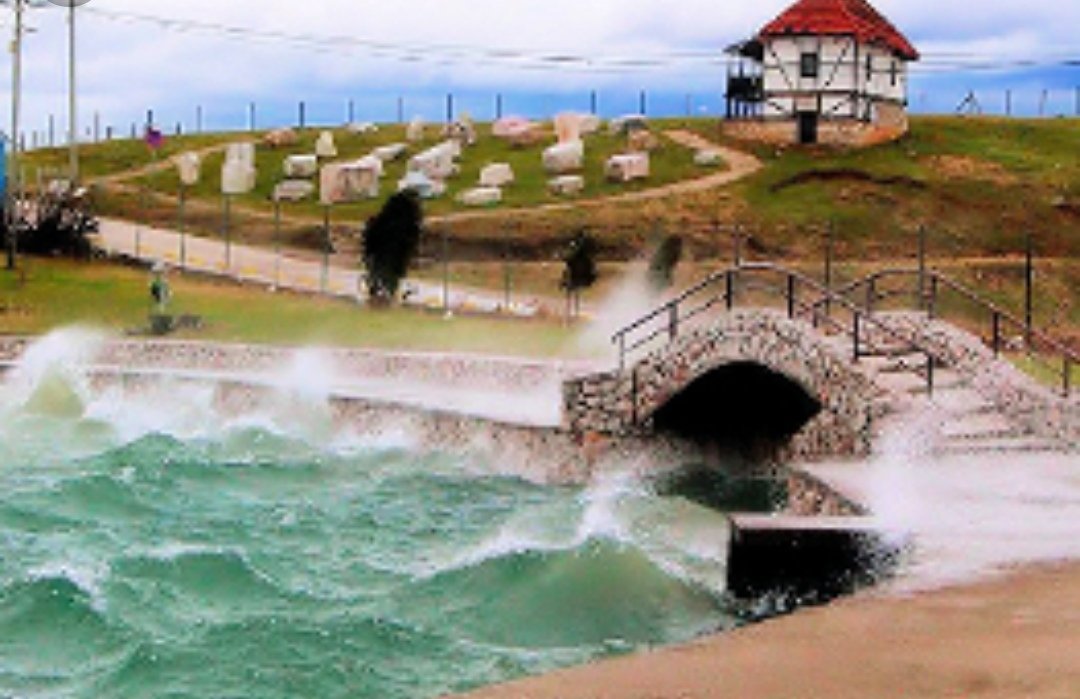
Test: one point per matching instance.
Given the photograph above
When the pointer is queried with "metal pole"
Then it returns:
(446, 271)
(16, 103)
(352, 111)
(251, 116)
(450, 108)
(73, 121)
(198, 119)
(97, 127)
(1029, 288)
(828, 268)
(642, 102)
(228, 236)
(52, 131)
(325, 276)
(180, 225)
(1008, 103)
(277, 243)
(922, 268)
(594, 102)
(303, 114)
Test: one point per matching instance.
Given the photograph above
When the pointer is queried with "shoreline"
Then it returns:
(881, 633)
(1009, 636)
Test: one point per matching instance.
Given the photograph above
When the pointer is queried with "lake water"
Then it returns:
(156, 548)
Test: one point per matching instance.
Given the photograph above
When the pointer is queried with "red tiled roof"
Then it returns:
(841, 17)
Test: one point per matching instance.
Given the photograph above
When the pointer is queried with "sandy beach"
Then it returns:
(1014, 636)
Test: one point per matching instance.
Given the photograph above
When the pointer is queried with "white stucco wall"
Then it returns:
(842, 69)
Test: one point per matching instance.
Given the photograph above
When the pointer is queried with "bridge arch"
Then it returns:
(762, 349)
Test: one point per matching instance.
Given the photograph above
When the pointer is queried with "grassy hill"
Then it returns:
(978, 186)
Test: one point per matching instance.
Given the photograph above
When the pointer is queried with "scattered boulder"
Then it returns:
(341, 183)
(642, 141)
(424, 186)
(497, 175)
(325, 147)
(517, 131)
(628, 123)
(708, 158)
(414, 132)
(628, 167)
(564, 157)
(297, 166)
(281, 138)
(362, 127)
(293, 190)
(438, 162)
(238, 171)
(390, 152)
(480, 196)
(462, 131)
(188, 166)
(566, 185)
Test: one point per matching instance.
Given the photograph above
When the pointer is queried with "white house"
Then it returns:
(824, 71)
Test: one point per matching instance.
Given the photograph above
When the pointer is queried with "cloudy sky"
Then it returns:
(174, 54)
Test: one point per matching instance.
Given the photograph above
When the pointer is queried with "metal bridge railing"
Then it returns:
(802, 296)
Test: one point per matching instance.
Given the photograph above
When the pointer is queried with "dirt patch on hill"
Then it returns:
(846, 175)
(960, 167)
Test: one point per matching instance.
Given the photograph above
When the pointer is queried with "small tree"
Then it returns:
(580, 271)
(391, 239)
(664, 260)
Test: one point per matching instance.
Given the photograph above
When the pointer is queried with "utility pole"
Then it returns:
(14, 183)
(73, 118)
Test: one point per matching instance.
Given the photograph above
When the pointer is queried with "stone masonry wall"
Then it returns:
(1040, 410)
(621, 403)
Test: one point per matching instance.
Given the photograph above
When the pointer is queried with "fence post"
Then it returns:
(97, 127)
(1008, 103)
(1029, 289)
(931, 303)
(855, 318)
(921, 305)
(729, 289)
(594, 102)
(996, 333)
(642, 103)
(198, 118)
(622, 352)
(1066, 377)
(251, 116)
(791, 296)
(673, 321)
(52, 131)
(303, 114)
(401, 110)
(449, 108)
(929, 374)
(324, 278)
(498, 106)
(352, 110)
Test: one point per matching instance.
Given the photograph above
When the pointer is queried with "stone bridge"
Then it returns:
(753, 378)
(746, 378)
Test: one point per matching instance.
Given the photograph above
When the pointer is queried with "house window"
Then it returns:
(808, 65)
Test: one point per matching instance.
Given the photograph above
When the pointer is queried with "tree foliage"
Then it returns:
(390, 241)
(664, 260)
(580, 259)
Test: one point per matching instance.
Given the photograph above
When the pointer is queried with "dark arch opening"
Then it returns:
(742, 408)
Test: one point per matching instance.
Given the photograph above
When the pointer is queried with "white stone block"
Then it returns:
(627, 167)
(188, 166)
(294, 190)
(566, 185)
(564, 157)
(301, 166)
(497, 175)
(325, 147)
(390, 152)
(707, 158)
(480, 196)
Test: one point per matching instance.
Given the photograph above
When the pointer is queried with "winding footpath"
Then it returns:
(303, 271)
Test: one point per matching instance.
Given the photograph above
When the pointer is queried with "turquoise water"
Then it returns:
(153, 548)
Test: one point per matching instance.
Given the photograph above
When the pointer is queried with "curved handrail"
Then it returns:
(998, 314)
(670, 310)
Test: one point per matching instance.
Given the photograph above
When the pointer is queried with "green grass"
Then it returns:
(670, 163)
(47, 294)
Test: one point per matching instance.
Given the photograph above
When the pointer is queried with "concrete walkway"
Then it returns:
(285, 269)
